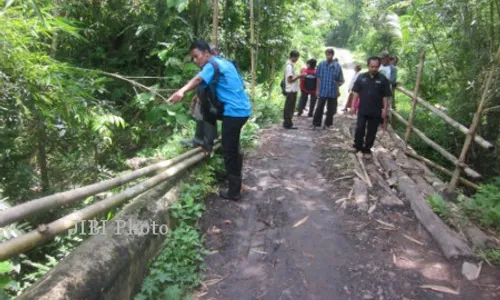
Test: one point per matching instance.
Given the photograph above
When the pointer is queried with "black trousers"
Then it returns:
(366, 126)
(231, 130)
(331, 109)
(303, 102)
(291, 99)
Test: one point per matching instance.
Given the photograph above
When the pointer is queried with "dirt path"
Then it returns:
(288, 239)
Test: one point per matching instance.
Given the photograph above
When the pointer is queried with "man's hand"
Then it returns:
(176, 97)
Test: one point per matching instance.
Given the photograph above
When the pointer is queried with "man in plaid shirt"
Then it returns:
(330, 77)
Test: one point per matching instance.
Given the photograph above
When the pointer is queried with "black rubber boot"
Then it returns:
(210, 134)
(198, 136)
(234, 190)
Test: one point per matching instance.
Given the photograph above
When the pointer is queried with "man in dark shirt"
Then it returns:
(373, 90)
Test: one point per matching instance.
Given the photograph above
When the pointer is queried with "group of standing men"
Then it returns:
(370, 94)
(221, 96)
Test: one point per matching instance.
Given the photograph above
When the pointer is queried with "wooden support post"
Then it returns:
(415, 98)
(473, 126)
(452, 158)
(252, 48)
(479, 140)
(215, 23)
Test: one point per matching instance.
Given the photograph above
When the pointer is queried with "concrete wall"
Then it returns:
(110, 265)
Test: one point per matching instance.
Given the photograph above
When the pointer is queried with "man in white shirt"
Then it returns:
(291, 89)
(348, 104)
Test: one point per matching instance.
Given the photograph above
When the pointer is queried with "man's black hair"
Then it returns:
(373, 58)
(200, 45)
(330, 50)
(312, 63)
(294, 53)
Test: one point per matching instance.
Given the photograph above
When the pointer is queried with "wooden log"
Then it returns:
(44, 232)
(360, 194)
(409, 127)
(449, 241)
(470, 172)
(40, 205)
(478, 238)
(478, 139)
(473, 127)
(362, 164)
(434, 165)
(382, 189)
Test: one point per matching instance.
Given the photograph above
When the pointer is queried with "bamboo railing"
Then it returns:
(469, 132)
(44, 232)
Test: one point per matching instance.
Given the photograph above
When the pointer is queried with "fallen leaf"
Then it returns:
(439, 288)
(301, 222)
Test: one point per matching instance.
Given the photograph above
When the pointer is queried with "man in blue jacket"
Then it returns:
(237, 108)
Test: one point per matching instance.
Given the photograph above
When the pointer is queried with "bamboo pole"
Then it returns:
(215, 23)
(252, 48)
(46, 232)
(479, 140)
(474, 125)
(471, 173)
(436, 166)
(36, 206)
(415, 98)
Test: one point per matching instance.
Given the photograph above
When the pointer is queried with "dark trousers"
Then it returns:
(331, 109)
(291, 99)
(231, 130)
(366, 125)
(303, 102)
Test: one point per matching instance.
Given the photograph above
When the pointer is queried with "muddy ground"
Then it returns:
(289, 239)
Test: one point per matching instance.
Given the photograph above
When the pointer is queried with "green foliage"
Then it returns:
(5, 281)
(439, 206)
(177, 269)
(492, 255)
(485, 206)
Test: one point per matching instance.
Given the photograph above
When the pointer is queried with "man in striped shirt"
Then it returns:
(330, 77)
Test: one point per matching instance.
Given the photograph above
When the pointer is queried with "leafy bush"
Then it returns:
(177, 269)
(485, 206)
(439, 206)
